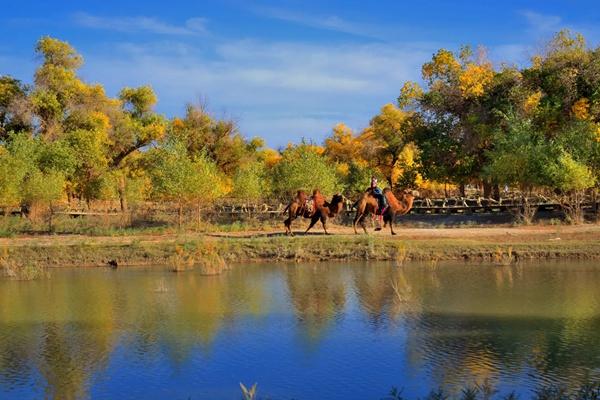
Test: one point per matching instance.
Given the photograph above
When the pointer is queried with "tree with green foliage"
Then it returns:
(251, 182)
(219, 139)
(302, 168)
(520, 157)
(183, 180)
(41, 190)
(14, 109)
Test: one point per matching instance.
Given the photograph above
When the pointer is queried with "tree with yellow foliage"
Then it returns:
(387, 138)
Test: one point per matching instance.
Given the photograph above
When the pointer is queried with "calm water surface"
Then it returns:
(301, 331)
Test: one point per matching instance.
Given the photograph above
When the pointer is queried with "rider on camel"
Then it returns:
(378, 193)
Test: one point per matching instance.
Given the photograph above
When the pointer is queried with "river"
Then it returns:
(302, 331)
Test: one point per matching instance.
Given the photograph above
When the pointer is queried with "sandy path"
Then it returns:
(525, 233)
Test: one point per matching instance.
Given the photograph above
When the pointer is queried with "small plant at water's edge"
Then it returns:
(248, 394)
(181, 260)
(209, 260)
(204, 256)
(500, 257)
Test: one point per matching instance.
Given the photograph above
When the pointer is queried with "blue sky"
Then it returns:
(284, 70)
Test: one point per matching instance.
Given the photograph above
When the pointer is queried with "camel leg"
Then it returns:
(356, 220)
(313, 221)
(288, 226)
(392, 217)
(324, 223)
(364, 226)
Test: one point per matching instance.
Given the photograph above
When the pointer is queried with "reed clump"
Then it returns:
(504, 258)
(181, 260)
(204, 256)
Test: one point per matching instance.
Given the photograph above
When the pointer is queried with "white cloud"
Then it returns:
(327, 22)
(192, 26)
(280, 90)
(542, 23)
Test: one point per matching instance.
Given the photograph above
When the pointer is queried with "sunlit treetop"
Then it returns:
(58, 53)
(138, 101)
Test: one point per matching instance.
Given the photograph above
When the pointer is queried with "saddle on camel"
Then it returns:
(316, 208)
(370, 204)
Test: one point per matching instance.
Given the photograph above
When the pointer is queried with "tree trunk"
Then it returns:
(487, 190)
(496, 192)
(50, 218)
(596, 202)
(199, 220)
(461, 189)
(179, 215)
(122, 199)
(122, 202)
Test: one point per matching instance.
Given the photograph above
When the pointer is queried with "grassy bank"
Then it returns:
(493, 245)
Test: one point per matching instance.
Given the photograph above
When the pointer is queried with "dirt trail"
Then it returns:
(526, 233)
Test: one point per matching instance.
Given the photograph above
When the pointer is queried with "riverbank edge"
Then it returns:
(89, 252)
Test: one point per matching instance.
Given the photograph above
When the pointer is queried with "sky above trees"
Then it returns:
(283, 70)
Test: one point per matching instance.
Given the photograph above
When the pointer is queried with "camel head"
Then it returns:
(337, 204)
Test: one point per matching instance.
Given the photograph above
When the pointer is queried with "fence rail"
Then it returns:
(420, 206)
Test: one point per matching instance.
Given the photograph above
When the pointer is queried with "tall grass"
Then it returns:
(504, 258)
(203, 256)
(21, 272)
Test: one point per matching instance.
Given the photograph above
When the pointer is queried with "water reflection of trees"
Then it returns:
(385, 293)
(66, 329)
(462, 324)
(318, 295)
(507, 319)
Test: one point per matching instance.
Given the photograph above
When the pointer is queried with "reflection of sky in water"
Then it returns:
(300, 331)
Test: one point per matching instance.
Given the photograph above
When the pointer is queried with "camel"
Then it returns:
(367, 204)
(326, 210)
(299, 207)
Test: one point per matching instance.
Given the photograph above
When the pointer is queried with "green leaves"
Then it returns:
(177, 177)
(251, 182)
(301, 168)
(569, 175)
(28, 173)
(43, 187)
(138, 101)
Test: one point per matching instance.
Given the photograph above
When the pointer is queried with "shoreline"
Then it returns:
(499, 245)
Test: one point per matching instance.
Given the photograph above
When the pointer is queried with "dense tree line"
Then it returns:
(535, 127)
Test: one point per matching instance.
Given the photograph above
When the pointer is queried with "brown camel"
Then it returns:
(299, 207)
(326, 210)
(368, 204)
